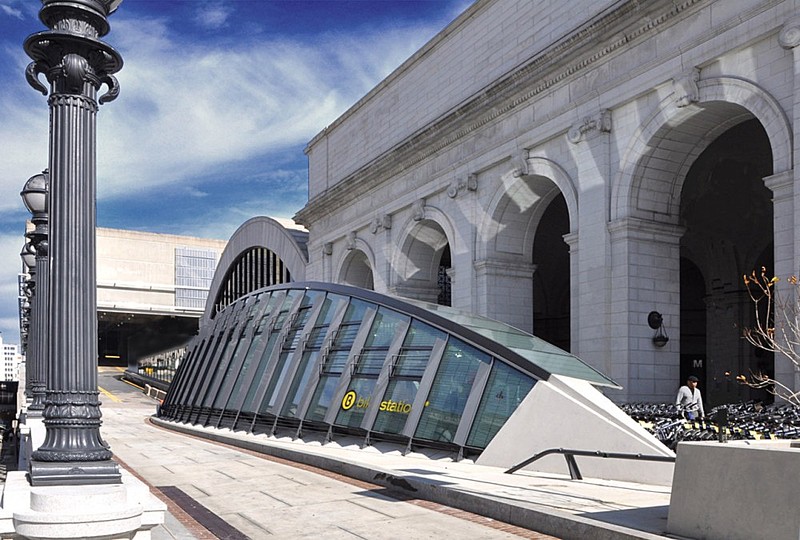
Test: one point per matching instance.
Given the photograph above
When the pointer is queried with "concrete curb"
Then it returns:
(527, 515)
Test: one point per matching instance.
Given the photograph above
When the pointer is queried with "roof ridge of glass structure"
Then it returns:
(339, 359)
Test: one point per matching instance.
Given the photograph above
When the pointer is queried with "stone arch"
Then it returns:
(356, 267)
(259, 232)
(663, 149)
(510, 222)
(419, 253)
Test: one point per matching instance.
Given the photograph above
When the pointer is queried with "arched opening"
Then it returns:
(727, 214)
(444, 280)
(551, 283)
(425, 268)
(255, 268)
(356, 271)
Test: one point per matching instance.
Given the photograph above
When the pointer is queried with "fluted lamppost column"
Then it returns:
(35, 197)
(27, 330)
(76, 64)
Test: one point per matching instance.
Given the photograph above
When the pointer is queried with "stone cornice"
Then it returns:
(627, 23)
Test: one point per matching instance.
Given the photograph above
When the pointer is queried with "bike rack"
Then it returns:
(572, 465)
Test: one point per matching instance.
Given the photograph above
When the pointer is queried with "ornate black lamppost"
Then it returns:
(76, 64)
(34, 195)
(28, 256)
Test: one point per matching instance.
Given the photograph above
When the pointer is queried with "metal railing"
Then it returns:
(572, 465)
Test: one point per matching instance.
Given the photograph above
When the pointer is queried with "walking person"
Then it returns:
(689, 399)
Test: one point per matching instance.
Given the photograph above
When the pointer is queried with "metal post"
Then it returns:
(27, 314)
(76, 64)
(34, 195)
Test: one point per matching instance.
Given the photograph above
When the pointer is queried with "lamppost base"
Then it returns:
(100, 512)
(73, 473)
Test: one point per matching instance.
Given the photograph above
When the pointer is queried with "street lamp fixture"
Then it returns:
(35, 196)
(76, 64)
(28, 256)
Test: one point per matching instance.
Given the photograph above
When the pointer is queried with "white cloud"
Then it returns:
(186, 109)
(213, 15)
(13, 12)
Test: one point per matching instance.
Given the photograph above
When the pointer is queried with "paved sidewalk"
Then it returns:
(548, 503)
(219, 484)
(264, 497)
(260, 497)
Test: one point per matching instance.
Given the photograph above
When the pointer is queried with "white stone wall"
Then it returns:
(136, 270)
(496, 37)
(607, 103)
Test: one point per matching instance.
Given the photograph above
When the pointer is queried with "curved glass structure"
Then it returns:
(303, 357)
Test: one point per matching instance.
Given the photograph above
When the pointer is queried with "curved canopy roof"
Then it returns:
(338, 359)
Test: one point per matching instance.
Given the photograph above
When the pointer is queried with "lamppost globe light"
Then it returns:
(28, 255)
(34, 193)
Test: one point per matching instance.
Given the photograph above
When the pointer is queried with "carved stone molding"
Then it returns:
(381, 222)
(519, 164)
(685, 88)
(789, 38)
(351, 241)
(418, 210)
(459, 185)
(600, 122)
(327, 248)
(557, 63)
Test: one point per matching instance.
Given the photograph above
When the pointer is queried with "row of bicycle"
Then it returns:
(749, 420)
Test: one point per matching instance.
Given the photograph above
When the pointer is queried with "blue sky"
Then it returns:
(218, 99)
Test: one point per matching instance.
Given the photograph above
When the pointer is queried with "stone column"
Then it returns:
(76, 64)
(786, 371)
(506, 287)
(645, 278)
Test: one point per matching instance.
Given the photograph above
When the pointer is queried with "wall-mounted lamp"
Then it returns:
(656, 322)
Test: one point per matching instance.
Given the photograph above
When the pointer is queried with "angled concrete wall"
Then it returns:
(586, 420)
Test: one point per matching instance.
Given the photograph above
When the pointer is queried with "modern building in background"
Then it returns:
(11, 361)
(151, 291)
(598, 173)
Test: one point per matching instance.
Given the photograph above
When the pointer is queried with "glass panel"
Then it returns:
(275, 382)
(245, 376)
(448, 395)
(263, 363)
(336, 362)
(241, 347)
(381, 334)
(204, 385)
(537, 351)
(384, 329)
(421, 336)
(396, 406)
(355, 402)
(411, 364)
(322, 398)
(505, 390)
(298, 388)
(371, 362)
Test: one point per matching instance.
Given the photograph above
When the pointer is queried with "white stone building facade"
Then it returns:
(571, 167)
(11, 361)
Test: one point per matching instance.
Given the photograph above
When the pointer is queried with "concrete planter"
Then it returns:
(736, 491)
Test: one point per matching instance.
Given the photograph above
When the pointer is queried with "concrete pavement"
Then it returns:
(219, 484)
(382, 495)
(259, 497)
